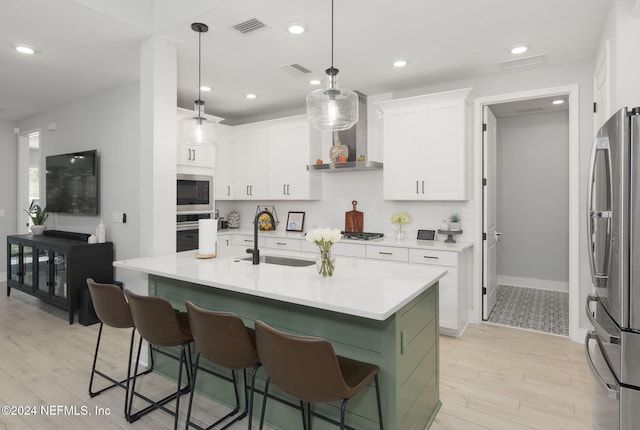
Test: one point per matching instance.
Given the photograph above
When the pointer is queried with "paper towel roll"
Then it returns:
(207, 236)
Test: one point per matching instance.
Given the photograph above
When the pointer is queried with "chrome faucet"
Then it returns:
(255, 252)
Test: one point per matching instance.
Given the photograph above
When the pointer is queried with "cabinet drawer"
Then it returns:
(280, 243)
(387, 253)
(436, 258)
(245, 240)
(344, 249)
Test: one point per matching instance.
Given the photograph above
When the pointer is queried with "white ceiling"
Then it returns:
(89, 46)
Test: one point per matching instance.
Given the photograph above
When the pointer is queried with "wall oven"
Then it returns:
(187, 230)
(613, 346)
(194, 193)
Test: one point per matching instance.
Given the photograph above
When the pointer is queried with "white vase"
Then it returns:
(37, 230)
(455, 226)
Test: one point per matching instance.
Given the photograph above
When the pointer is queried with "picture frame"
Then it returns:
(295, 221)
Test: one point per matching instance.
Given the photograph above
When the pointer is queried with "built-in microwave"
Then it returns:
(194, 193)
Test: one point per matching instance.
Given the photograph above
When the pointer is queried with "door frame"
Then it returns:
(572, 91)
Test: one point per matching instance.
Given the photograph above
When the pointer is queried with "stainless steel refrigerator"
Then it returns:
(613, 346)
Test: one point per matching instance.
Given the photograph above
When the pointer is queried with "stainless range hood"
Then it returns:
(356, 139)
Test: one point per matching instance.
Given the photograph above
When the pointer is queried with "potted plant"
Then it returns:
(454, 222)
(38, 216)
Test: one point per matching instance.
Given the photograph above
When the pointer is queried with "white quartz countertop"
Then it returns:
(366, 288)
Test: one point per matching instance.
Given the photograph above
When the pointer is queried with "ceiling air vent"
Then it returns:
(523, 62)
(249, 26)
(296, 70)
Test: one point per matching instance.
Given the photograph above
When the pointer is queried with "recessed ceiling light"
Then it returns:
(315, 81)
(205, 88)
(520, 49)
(24, 49)
(399, 63)
(558, 102)
(250, 96)
(296, 28)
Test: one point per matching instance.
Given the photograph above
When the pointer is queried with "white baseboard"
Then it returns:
(540, 284)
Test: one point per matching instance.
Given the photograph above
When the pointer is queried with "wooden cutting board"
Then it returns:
(353, 220)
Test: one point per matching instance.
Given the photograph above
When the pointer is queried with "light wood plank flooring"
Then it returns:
(492, 378)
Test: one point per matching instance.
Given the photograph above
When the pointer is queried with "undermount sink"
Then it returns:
(282, 261)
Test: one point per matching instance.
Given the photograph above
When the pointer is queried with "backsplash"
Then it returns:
(339, 189)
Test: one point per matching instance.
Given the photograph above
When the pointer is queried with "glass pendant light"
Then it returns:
(198, 130)
(332, 108)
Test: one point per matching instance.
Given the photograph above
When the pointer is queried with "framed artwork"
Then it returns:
(295, 221)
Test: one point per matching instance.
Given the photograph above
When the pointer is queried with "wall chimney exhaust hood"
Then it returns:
(356, 139)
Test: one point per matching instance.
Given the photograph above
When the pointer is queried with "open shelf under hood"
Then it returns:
(348, 166)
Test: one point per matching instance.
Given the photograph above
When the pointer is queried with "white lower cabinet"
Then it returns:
(454, 289)
(282, 243)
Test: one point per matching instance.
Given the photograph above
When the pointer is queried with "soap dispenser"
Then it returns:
(101, 233)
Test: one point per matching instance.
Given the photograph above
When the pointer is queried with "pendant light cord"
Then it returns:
(200, 72)
(332, 34)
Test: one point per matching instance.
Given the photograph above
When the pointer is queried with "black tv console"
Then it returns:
(55, 269)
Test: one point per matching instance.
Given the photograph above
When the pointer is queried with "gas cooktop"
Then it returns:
(357, 235)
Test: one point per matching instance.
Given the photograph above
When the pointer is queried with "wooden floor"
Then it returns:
(492, 378)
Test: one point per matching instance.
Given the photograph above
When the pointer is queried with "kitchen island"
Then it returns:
(380, 312)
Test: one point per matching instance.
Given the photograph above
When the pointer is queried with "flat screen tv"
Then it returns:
(72, 183)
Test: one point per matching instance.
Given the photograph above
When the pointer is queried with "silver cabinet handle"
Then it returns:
(432, 258)
(248, 240)
(280, 243)
(228, 190)
(284, 189)
(288, 192)
(417, 192)
(385, 253)
(194, 155)
(422, 187)
(612, 391)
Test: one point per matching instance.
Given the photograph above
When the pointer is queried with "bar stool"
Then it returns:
(308, 369)
(113, 310)
(223, 339)
(161, 325)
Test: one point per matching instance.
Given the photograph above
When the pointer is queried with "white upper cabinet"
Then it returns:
(271, 159)
(195, 155)
(251, 162)
(225, 181)
(426, 145)
(287, 159)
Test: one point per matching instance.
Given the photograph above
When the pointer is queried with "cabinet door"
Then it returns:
(29, 266)
(225, 186)
(15, 257)
(288, 156)
(404, 162)
(444, 137)
(251, 165)
(58, 275)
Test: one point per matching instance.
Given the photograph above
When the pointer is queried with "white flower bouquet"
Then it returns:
(325, 238)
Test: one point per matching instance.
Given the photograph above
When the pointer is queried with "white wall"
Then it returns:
(533, 200)
(108, 122)
(8, 189)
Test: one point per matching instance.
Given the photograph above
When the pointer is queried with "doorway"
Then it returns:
(483, 263)
(30, 176)
(531, 214)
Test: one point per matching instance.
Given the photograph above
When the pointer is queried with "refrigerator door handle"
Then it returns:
(602, 332)
(612, 391)
(594, 214)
